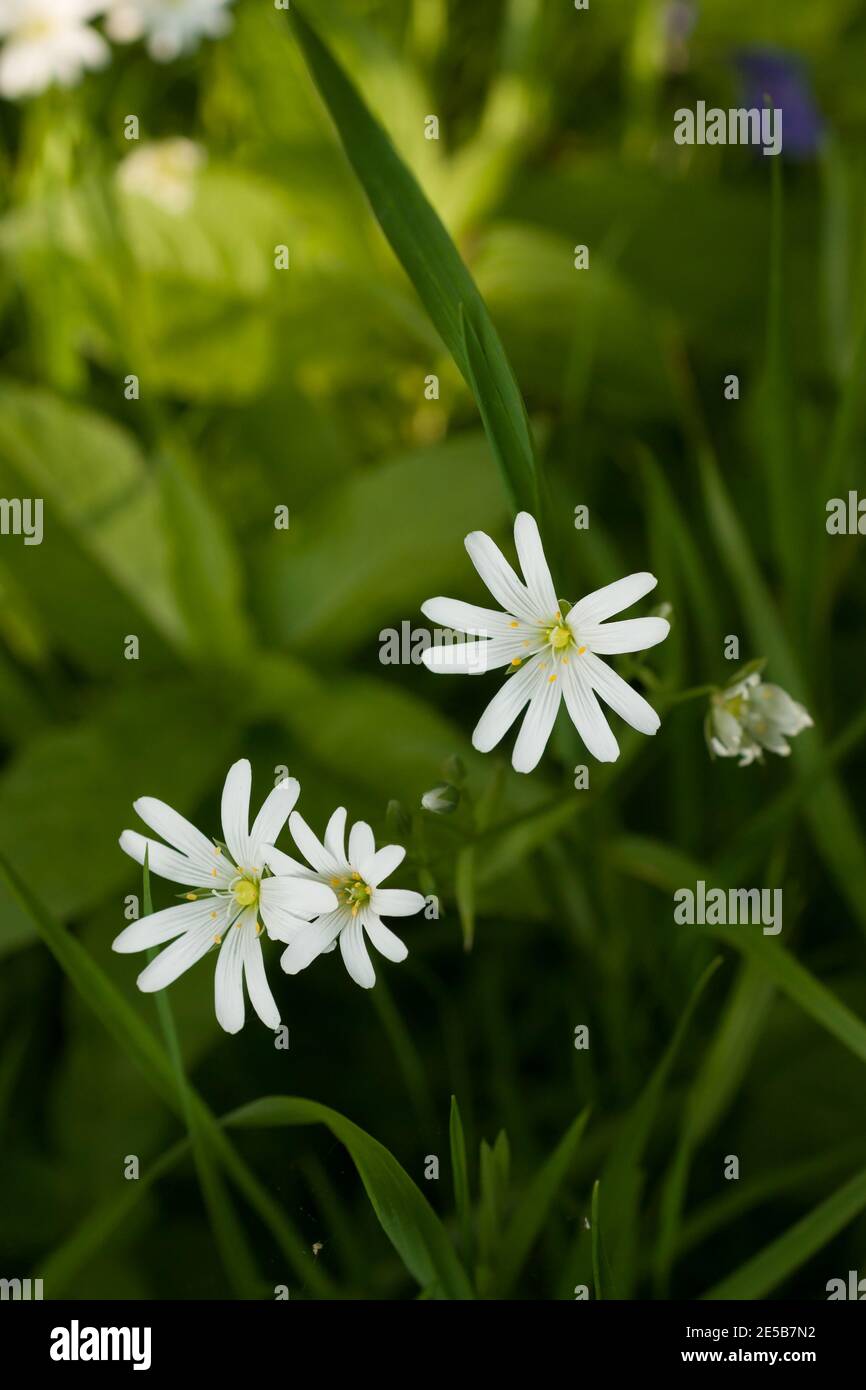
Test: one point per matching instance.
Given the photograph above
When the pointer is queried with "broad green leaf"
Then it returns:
(782, 1257)
(535, 1206)
(205, 569)
(404, 1214)
(432, 263)
(102, 568)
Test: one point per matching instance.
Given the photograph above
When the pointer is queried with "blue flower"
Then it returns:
(773, 75)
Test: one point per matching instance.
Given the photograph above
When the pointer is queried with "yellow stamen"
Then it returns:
(551, 678)
(217, 940)
(581, 650)
(517, 661)
(191, 897)
(258, 928)
(514, 624)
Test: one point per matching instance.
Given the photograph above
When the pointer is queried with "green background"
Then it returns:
(305, 388)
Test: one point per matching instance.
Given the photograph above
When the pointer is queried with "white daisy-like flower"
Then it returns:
(750, 717)
(356, 877)
(169, 27)
(47, 42)
(229, 891)
(164, 173)
(553, 650)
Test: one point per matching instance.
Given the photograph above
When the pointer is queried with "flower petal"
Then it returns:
(467, 617)
(382, 864)
(362, 847)
(500, 578)
(272, 817)
(176, 959)
(179, 832)
(167, 863)
(335, 836)
(506, 705)
(387, 943)
(236, 812)
(356, 956)
(257, 981)
(625, 701)
(159, 927)
(396, 902)
(586, 714)
(312, 848)
(632, 635)
(471, 658)
(229, 981)
(319, 936)
(603, 603)
(286, 902)
(280, 863)
(537, 725)
(530, 553)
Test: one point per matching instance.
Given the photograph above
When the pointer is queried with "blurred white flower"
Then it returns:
(229, 895)
(441, 800)
(356, 878)
(750, 717)
(48, 41)
(169, 27)
(552, 650)
(164, 172)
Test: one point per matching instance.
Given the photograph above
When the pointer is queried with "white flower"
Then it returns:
(170, 27)
(749, 717)
(164, 172)
(356, 878)
(553, 650)
(48, 41)
(230, 894)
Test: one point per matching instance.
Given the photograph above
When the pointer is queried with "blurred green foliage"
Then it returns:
(305, 389)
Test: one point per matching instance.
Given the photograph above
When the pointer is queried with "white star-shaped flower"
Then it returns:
(553, 650)
(356, 878)
(48, 41)
(229, 892)
(169, 27)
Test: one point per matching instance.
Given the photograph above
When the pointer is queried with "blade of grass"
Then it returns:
(535, 1205)
(126, 1027)
(657, 864)
(623, 1177)
(782, 1257)
(228, 1233)
(404, 1213)
(460, 1176)
(432, 262)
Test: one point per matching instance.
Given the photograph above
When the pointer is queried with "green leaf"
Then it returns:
(431, 261)
(229, 1237)
(404, 1214)
(205, 568)
(460, 1176)
(623, 1176)
(779, 1259)
(127, 1028)
(535, 1206)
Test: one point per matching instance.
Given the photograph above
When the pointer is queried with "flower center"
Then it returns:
(245, 891)
(352, 892)
(559, 636)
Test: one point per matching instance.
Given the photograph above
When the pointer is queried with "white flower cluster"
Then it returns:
(244, 885)
(47, 42)
(751, 717)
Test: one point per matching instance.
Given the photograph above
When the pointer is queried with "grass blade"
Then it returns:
(460, 1175)
(535, 1205)
(773, 1264)
(432, 262)
(404, 1213)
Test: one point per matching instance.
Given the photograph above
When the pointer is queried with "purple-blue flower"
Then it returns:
(780, 78)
